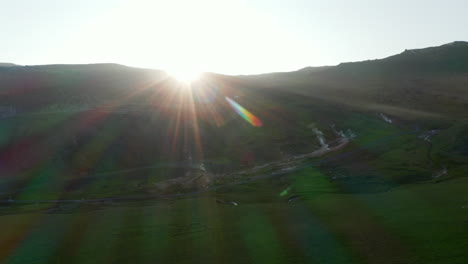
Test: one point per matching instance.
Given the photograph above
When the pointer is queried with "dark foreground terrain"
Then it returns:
(362, 162)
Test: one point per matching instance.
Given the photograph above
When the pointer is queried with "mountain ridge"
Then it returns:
(441, 50)
(7, 64)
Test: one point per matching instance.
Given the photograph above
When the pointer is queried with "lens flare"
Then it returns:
(249, 117)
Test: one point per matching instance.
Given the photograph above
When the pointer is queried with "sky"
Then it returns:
(229, 37)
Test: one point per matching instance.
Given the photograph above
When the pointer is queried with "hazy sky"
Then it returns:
(232, 37)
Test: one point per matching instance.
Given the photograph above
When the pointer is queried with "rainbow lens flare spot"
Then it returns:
(244, 113)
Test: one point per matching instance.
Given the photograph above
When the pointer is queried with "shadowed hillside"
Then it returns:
(83, 121)
(340, 164)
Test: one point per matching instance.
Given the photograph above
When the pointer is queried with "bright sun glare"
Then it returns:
(184, 75)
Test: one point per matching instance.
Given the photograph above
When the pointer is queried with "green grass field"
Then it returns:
(417, 223)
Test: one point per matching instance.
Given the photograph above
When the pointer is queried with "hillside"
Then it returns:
(91, 120)
(417, 83)
(363, 162)
(5, 64)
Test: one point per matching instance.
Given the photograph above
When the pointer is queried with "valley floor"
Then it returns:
(415, 223)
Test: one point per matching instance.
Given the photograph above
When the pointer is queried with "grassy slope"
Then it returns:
(375, 201)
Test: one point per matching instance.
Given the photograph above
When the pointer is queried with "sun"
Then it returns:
(184, 75)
